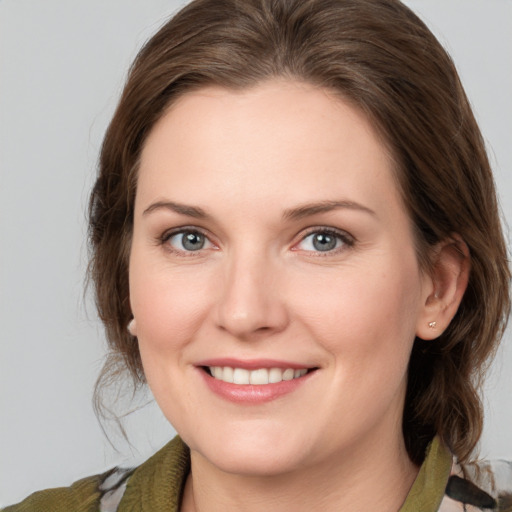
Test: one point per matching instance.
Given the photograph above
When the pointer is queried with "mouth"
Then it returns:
(255, 377)
(254, 381)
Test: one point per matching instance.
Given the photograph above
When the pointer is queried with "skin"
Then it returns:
(260, 289)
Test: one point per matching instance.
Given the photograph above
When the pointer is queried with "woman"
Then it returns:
(294, 212)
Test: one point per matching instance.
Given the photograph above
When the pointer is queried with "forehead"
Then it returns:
(278, 141)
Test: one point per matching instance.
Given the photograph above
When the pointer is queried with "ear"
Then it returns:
(445, 288)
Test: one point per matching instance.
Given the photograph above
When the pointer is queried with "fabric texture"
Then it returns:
(82, 496)
(428, 489)
(157, 486)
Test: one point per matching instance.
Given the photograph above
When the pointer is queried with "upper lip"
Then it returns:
(254, 364)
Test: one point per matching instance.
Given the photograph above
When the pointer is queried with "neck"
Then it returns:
(376, 476)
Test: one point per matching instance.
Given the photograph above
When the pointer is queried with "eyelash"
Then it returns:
(164, 239)
(346, 240)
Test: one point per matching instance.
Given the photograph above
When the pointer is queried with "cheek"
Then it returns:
(169, 305)
(169, 308)
(368, 315)
(367, 325)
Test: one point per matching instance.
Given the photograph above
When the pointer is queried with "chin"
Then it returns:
(257, 463)
(258, 453)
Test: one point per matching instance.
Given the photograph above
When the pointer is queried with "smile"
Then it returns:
(257, 377)
(254, 381)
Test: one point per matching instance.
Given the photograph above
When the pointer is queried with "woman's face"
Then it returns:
(270, 242)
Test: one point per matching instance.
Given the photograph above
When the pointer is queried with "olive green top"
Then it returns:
(157, 485)
(428, 489)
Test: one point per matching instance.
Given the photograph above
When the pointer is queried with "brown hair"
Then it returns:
(381, 57)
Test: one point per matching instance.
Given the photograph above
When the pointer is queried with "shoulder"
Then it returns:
(159, 479)
(157, 485)
(482, 485)
(85, 495)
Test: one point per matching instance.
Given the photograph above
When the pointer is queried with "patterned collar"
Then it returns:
(442, 485)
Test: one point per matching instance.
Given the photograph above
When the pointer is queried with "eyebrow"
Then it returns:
(299, 212)
(306, 210)
(182, 209)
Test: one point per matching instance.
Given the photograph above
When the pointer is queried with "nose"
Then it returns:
(251, 302)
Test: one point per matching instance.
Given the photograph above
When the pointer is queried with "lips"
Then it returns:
(255, 381)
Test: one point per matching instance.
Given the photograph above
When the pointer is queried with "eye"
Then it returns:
(324, 240)
(188, 240)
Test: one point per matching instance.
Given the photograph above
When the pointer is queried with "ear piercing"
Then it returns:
(432, 325)
(132, 327)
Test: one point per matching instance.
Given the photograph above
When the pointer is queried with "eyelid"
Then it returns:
(347, 240)
(168, 234)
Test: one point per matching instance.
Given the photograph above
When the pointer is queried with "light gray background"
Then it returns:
(62, 65)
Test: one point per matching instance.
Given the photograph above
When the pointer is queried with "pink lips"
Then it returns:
(250, 393)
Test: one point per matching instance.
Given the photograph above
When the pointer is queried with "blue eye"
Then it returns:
(188, 241)
(323, 241)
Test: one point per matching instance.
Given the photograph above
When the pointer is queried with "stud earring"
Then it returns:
(432, 325)
(132, 325)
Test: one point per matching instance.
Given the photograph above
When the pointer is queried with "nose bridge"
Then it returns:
(250, 301)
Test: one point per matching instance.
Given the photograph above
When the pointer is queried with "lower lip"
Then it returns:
(250, 393)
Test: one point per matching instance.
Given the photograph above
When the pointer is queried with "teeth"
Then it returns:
(288, 374)
(226, 374)
(259, 376)
(256, 377)
(275, 375)
(240, 376)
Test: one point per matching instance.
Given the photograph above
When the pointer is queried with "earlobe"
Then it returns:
(449, 279)
(132, 327)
